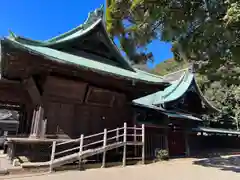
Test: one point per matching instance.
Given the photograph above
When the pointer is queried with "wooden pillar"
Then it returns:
(187, 143)
(33, 123)
(166, 139)
(38, 123)
(43, 128)
(36, 101)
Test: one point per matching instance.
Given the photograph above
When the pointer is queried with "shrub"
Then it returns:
(162, 154)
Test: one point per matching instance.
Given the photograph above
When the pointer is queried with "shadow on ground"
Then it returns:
(224, 163)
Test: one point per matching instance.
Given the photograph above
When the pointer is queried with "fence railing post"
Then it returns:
(80, 151)
(117, 134)
(143, 144)
(52, 156)
(104, 148)
(124, 144)
(135, 140)
(117, 138)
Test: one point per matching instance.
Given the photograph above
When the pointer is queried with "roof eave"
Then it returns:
(204, 99)
(18, 45)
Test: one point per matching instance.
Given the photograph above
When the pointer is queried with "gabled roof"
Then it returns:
(85, 63)
(95, 19)
(47, 50)
(174, 76)
(176, 90)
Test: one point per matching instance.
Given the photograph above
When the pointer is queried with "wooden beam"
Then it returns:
(33, 91)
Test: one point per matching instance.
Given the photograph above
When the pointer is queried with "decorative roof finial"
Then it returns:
(94, 16)
(12, 35)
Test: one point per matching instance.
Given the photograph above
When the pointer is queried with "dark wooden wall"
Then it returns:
(74, 107)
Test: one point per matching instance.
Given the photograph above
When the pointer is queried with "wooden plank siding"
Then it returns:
(74, 107)
(59, 89)
(17, 60)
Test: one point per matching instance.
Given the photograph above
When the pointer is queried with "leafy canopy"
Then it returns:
(223, 96)
(206, 32)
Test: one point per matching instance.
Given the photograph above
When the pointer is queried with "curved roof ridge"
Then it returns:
(93, 16)
(161, 97)
(28, 41)
(204, 99)
(176, 85)
(176, 90)
(147, 73)
(175, 72)
(174, 76)
(25, 40)
(125, 58)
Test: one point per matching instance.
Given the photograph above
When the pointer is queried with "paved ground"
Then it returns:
(181, 169)
(5, 163)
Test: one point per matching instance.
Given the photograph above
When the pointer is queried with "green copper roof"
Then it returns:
(216, 130)
(175, 91)
(94, 19)
(71, 35)
(171, 93)
(90, 64)
(171, 114)
(181, 116)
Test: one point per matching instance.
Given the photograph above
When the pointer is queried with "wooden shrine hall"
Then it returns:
(79, 83)
(173, 118)
(74, 83)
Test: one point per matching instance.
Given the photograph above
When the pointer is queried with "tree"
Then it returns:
(206, 32)
(224, 97)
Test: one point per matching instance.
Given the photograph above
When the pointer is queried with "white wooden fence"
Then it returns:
(119, 136)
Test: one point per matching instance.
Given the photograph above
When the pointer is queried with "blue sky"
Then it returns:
(43, 19)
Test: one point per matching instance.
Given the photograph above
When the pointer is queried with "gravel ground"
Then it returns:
(179, 169)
